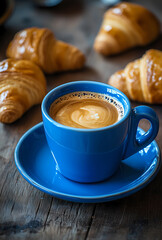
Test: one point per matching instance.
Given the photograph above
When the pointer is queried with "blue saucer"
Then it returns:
(35, 163)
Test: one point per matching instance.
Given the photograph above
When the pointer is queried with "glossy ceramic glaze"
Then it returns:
(92, 155)
(35, 163)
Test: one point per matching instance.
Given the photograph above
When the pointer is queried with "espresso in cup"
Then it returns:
(93, 154)
(86, 110)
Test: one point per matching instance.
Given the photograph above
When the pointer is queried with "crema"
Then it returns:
(86, 110)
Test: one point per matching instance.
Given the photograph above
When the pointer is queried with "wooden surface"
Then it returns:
(27, 213)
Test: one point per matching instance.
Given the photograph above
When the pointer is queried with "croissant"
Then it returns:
(141, 80)
(125, 26)
(40, 46)
(22, 85)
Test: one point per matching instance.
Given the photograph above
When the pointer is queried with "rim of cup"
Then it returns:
(48, 95)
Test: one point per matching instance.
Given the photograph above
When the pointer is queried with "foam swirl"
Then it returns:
(84, 113)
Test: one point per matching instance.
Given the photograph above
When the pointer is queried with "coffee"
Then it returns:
(86, 110)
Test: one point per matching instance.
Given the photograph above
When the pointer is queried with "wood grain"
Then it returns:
(27, 213)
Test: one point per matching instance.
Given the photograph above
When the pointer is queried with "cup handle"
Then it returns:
(135, 144)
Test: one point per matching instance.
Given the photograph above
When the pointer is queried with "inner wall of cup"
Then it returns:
(87, 87)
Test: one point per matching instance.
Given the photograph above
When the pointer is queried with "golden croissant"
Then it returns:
(40, 46)
(141, 80)
(22, 85)
(125, 26)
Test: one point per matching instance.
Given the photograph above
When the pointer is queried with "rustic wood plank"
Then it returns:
(27, 213)
(134, 217)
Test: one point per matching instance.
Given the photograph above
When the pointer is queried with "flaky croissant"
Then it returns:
(22, 85)
(141, 80)
(40, 46)
(125, 26)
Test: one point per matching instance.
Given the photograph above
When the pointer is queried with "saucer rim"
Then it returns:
(72, 197)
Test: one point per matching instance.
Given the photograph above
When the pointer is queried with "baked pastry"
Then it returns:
(40, 46)
(22, 85)
(141, 80)
(125, 26)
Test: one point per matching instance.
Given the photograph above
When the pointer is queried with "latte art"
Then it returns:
(84, 111)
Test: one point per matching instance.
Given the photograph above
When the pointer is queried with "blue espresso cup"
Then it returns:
(92, 155)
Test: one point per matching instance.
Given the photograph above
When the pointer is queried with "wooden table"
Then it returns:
(27, 213)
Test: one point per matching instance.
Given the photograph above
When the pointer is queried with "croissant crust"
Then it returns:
(40, 46)
(141, 80)
(22, 85)
(124, 26)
